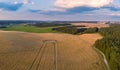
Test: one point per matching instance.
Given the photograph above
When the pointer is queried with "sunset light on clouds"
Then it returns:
(78, 3)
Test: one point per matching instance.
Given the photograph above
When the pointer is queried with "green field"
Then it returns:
(26, 28)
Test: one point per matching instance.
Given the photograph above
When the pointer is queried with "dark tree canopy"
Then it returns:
(110, 45)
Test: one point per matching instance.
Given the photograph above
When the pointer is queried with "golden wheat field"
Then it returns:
(48, 51)
(92, 25)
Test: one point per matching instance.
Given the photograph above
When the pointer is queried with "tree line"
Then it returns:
(75, 30)
(110, 45)
(48, 24)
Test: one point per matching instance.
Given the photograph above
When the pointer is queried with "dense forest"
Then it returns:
(66, 29)
(110, 45)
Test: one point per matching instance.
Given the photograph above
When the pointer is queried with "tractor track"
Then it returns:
(42, 46)
(40, 54)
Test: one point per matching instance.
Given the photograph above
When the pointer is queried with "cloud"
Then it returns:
(15, 2)
(115, 14)
(34, 11)
(25, 1)
(32, 3)
(113, 8)
(78, 3)
(81, 9)
(1, 10)
(28, 1)
(77, 10)
(10, 7)
(85, 8)
(65, 12)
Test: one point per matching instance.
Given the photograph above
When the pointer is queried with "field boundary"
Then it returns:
(104, 58)
(101, 54)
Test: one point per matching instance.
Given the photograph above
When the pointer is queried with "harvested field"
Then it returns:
(91, 25)
(90, 38)
(48, 51)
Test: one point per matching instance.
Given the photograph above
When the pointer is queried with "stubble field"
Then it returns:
(48, 51)
(91, 25)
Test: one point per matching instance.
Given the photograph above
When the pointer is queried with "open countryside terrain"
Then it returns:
(48, 51)
(26, 28)
(92, 25)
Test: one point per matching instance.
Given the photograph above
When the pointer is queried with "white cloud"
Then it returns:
(1, 10)
(115, 14)
(15, 2)
(25, 1)
(28, 1)
(32, 3)
(57, 9)
(78, 3)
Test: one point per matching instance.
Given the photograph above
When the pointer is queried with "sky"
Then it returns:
(60, 10)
